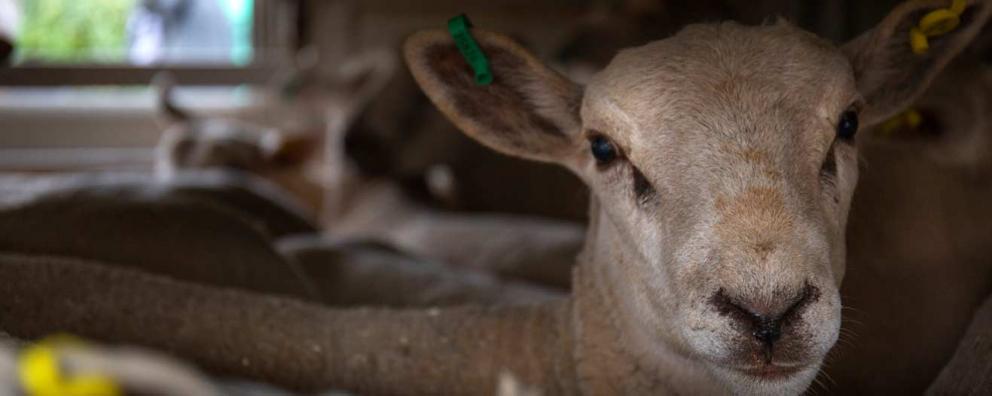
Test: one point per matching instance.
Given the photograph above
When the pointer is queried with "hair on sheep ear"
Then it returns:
(528, 110)
(891, 71)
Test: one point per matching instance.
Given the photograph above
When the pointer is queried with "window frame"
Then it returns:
(273, 38)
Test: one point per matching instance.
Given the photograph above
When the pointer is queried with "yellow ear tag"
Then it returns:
(918, 40)
(935, 23)
(939, 22)
(958, 6)
(913, 118)
(40, 372)
(910, 119)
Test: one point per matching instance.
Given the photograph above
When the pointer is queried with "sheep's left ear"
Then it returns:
(889, 73)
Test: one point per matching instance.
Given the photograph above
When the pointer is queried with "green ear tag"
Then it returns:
(459, 28)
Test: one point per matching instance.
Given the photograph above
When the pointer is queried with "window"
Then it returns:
(124, 42)
(76, 95)
(135, 31)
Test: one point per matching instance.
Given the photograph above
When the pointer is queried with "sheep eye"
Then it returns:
(603, 150)
(848, 125)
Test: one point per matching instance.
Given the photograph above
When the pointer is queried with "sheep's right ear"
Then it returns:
(528, 110)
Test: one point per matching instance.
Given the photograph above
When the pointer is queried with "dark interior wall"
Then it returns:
(341, 27)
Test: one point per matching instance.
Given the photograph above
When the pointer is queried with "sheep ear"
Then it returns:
(889, 73)
(365, 76)
(353, 83)
(170, 114)
(528, 110)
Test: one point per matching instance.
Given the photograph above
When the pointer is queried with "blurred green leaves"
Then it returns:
(66, 31)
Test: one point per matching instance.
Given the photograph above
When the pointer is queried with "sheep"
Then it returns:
(157, 227)
(364, 206)
(352, 272)
(714, 253)
(291, 156)
(513, 247)
(918, 240)
(216, 228)
(908, 302)
(275, 339)
(258, 201)
(969, 369)
(903, 318)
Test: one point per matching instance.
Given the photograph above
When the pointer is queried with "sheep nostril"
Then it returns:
(766, 325)
(768, 331)
(806, 297)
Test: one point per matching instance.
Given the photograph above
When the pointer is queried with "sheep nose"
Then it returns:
(768, 330)
(764, 321)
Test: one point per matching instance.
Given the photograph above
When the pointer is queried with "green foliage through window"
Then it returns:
(74, 30)
(95, 31)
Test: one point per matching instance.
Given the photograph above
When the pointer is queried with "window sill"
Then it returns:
(125, 99)
(50, 129)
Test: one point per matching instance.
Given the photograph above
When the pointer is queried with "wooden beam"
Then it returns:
(130, 75)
